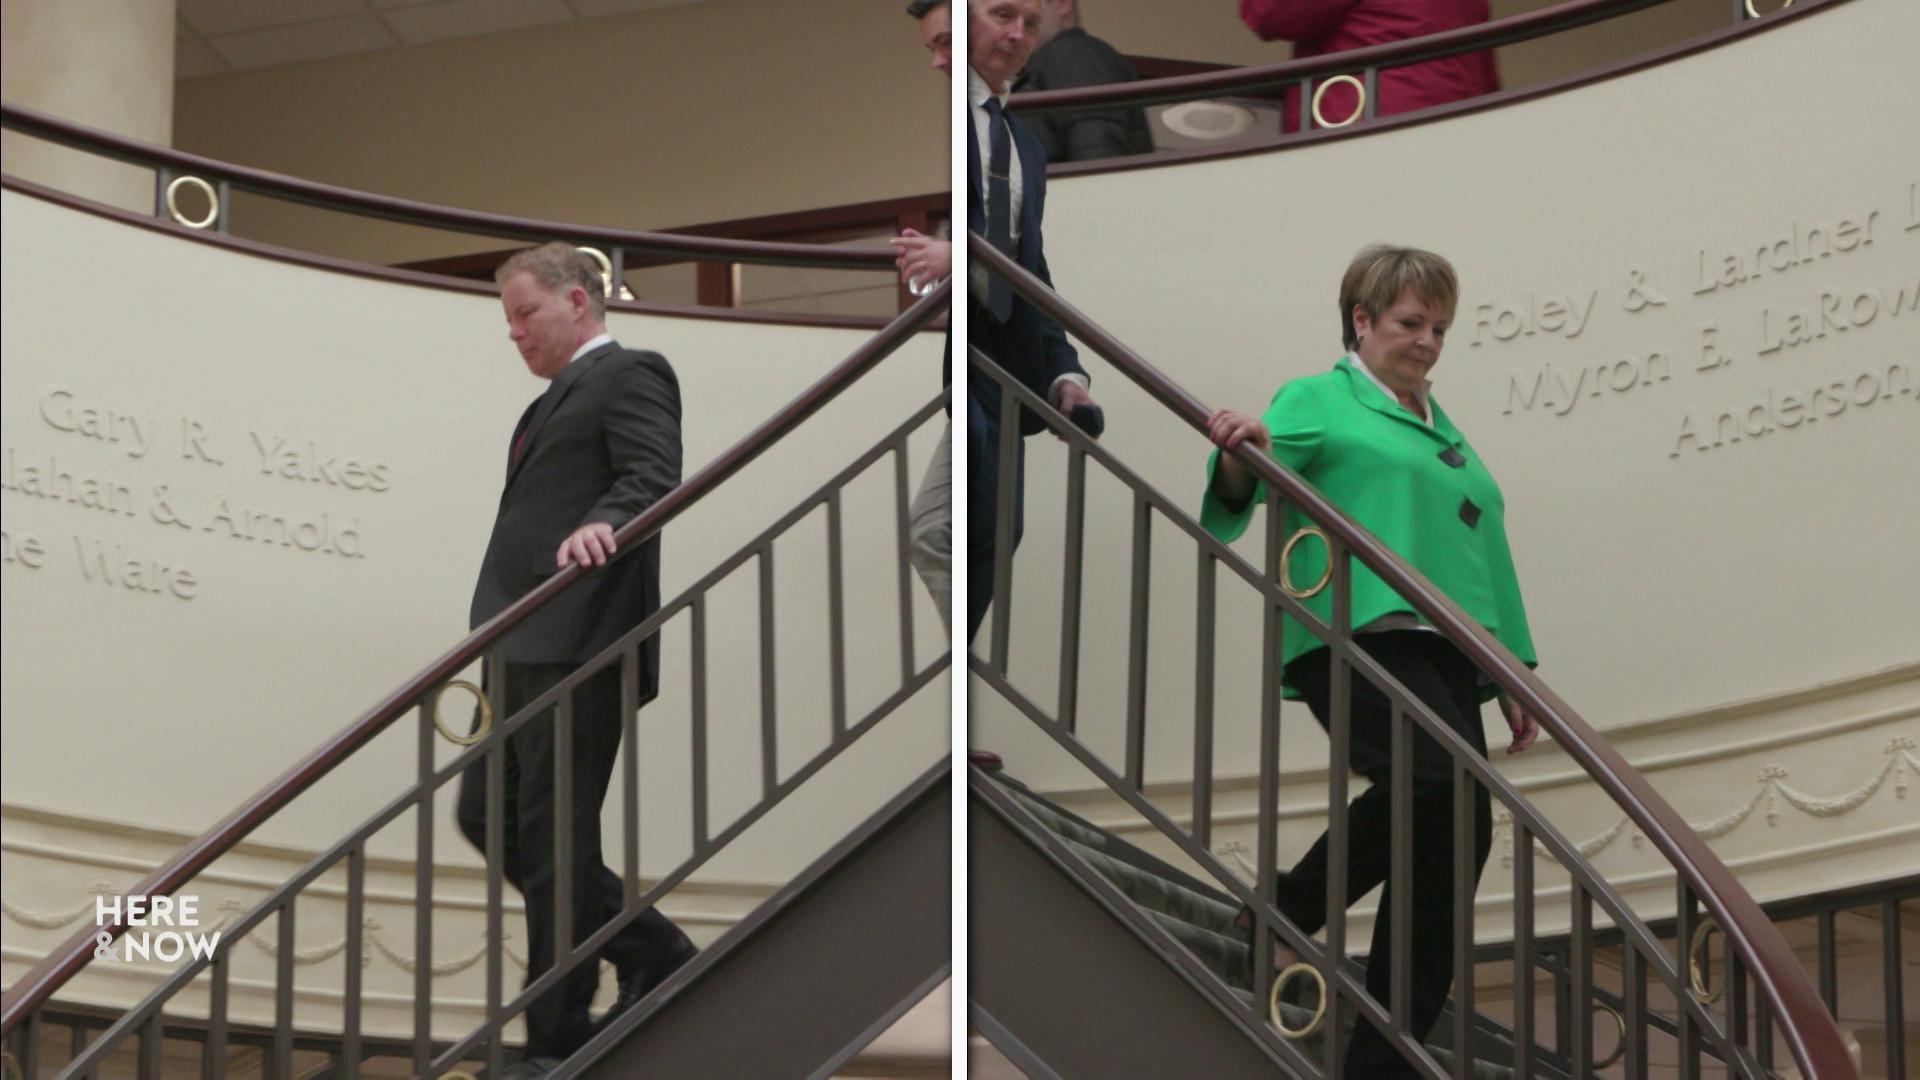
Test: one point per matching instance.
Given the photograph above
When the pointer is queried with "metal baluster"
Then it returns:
(1737, 1030)
(1370, 93)
(1523, 952)
(1306, 105)
(1579, 1019)
(903, 543)
(215, 1059)
(30, 1035)
(1070, 579)
(222, 200)
(1762, 1032)
(769, 689)
(356, 919)
(1339, 771)
(423, 894)
(699, 695)
(1826, 961)
(1684, 922)
(616, 279)
(496, 865)
(282, 995)
(1203, 706)
(836, 620)
(1633, 991)
(152, 1049)
(162, 176)
(1400, 874)
(1005, 507)
(1562, 995)
(77, 1034)
(1268, 826)
(1464, 846)
(1137, 642)
(630, 771)
(1891, 975)
(563, 828)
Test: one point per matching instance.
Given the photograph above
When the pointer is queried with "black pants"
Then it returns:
(1438, 674)
(558, 1022)
(983, 504)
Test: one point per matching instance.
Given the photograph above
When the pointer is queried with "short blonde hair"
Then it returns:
(1381, 272)
(559, 266)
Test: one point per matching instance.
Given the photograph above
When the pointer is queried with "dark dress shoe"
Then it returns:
(530, 1068)
(641, 983)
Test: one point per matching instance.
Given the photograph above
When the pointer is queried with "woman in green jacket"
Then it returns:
(1370, 436)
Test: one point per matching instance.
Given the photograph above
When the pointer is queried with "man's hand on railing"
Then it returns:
(590, 545)
(1077, 404)
(1525, 728)
(924, 261)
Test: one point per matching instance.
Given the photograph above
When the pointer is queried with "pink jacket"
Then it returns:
(1318, 27)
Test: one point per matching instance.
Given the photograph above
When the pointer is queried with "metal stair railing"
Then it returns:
(1362, 67)
(1779, 988)
(420, 694)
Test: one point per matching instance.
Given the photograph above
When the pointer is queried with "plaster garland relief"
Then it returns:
(1900, 765)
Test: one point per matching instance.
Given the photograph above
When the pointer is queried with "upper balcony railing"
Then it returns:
(1304, 81)
(194, 196)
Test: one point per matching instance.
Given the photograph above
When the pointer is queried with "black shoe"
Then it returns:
(641, 983)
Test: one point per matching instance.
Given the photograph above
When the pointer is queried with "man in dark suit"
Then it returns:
(598, 447)
(1006, 197)
(1067, 57)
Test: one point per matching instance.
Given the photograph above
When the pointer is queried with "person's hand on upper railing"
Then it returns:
(1523, 724)
(590, 545)
(923, 260)
(1229, 429)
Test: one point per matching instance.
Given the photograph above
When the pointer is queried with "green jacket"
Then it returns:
(1377, 462)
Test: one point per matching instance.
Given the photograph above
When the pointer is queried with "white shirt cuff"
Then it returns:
(1080, 380)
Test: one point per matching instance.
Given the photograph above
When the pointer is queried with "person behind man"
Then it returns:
(924, 261)
(1319, 27)
(1067, 56)
(1006, 197)
(599, 446)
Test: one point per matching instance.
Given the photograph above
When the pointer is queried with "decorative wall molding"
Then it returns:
(1772, 787)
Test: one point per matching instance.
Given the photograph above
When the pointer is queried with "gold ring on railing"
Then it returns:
(1620, 1047)
(1273, 1002)
(1286, 560)
(606, 267)
(1359, 108)
(1776, 11)
(486, 713)
(173, 202)
(1696, 978)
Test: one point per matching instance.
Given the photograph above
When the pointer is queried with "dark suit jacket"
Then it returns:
(1029, 345)
(601, 445)
(1074, 58)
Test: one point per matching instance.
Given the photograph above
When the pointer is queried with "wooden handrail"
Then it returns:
(1808, 1028)
(1566, 16)
(53, 971)
(386, 207)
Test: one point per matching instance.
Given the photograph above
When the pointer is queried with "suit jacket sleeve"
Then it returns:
(641, 425)
(1057, 355)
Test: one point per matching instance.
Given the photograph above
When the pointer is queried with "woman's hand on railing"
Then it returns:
(1522, 723)
(1232, 481)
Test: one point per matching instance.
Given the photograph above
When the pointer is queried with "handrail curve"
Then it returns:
(1806, 1025)
(60, 965)
(1570, 15)
(67, 133)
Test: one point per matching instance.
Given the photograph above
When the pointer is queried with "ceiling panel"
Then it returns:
(232, 16)
(303, 41)
(452, 19)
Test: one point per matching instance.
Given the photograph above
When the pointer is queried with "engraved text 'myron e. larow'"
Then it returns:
(1836, 311)
(1559, 389)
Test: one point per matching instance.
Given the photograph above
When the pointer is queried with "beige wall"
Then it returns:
(105, 63)
(1661, 577)
(168, 703)
(705, 112)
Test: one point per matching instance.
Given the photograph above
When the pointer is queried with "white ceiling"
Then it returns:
(220, 36)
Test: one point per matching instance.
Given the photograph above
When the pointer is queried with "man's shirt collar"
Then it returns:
(603, 339)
